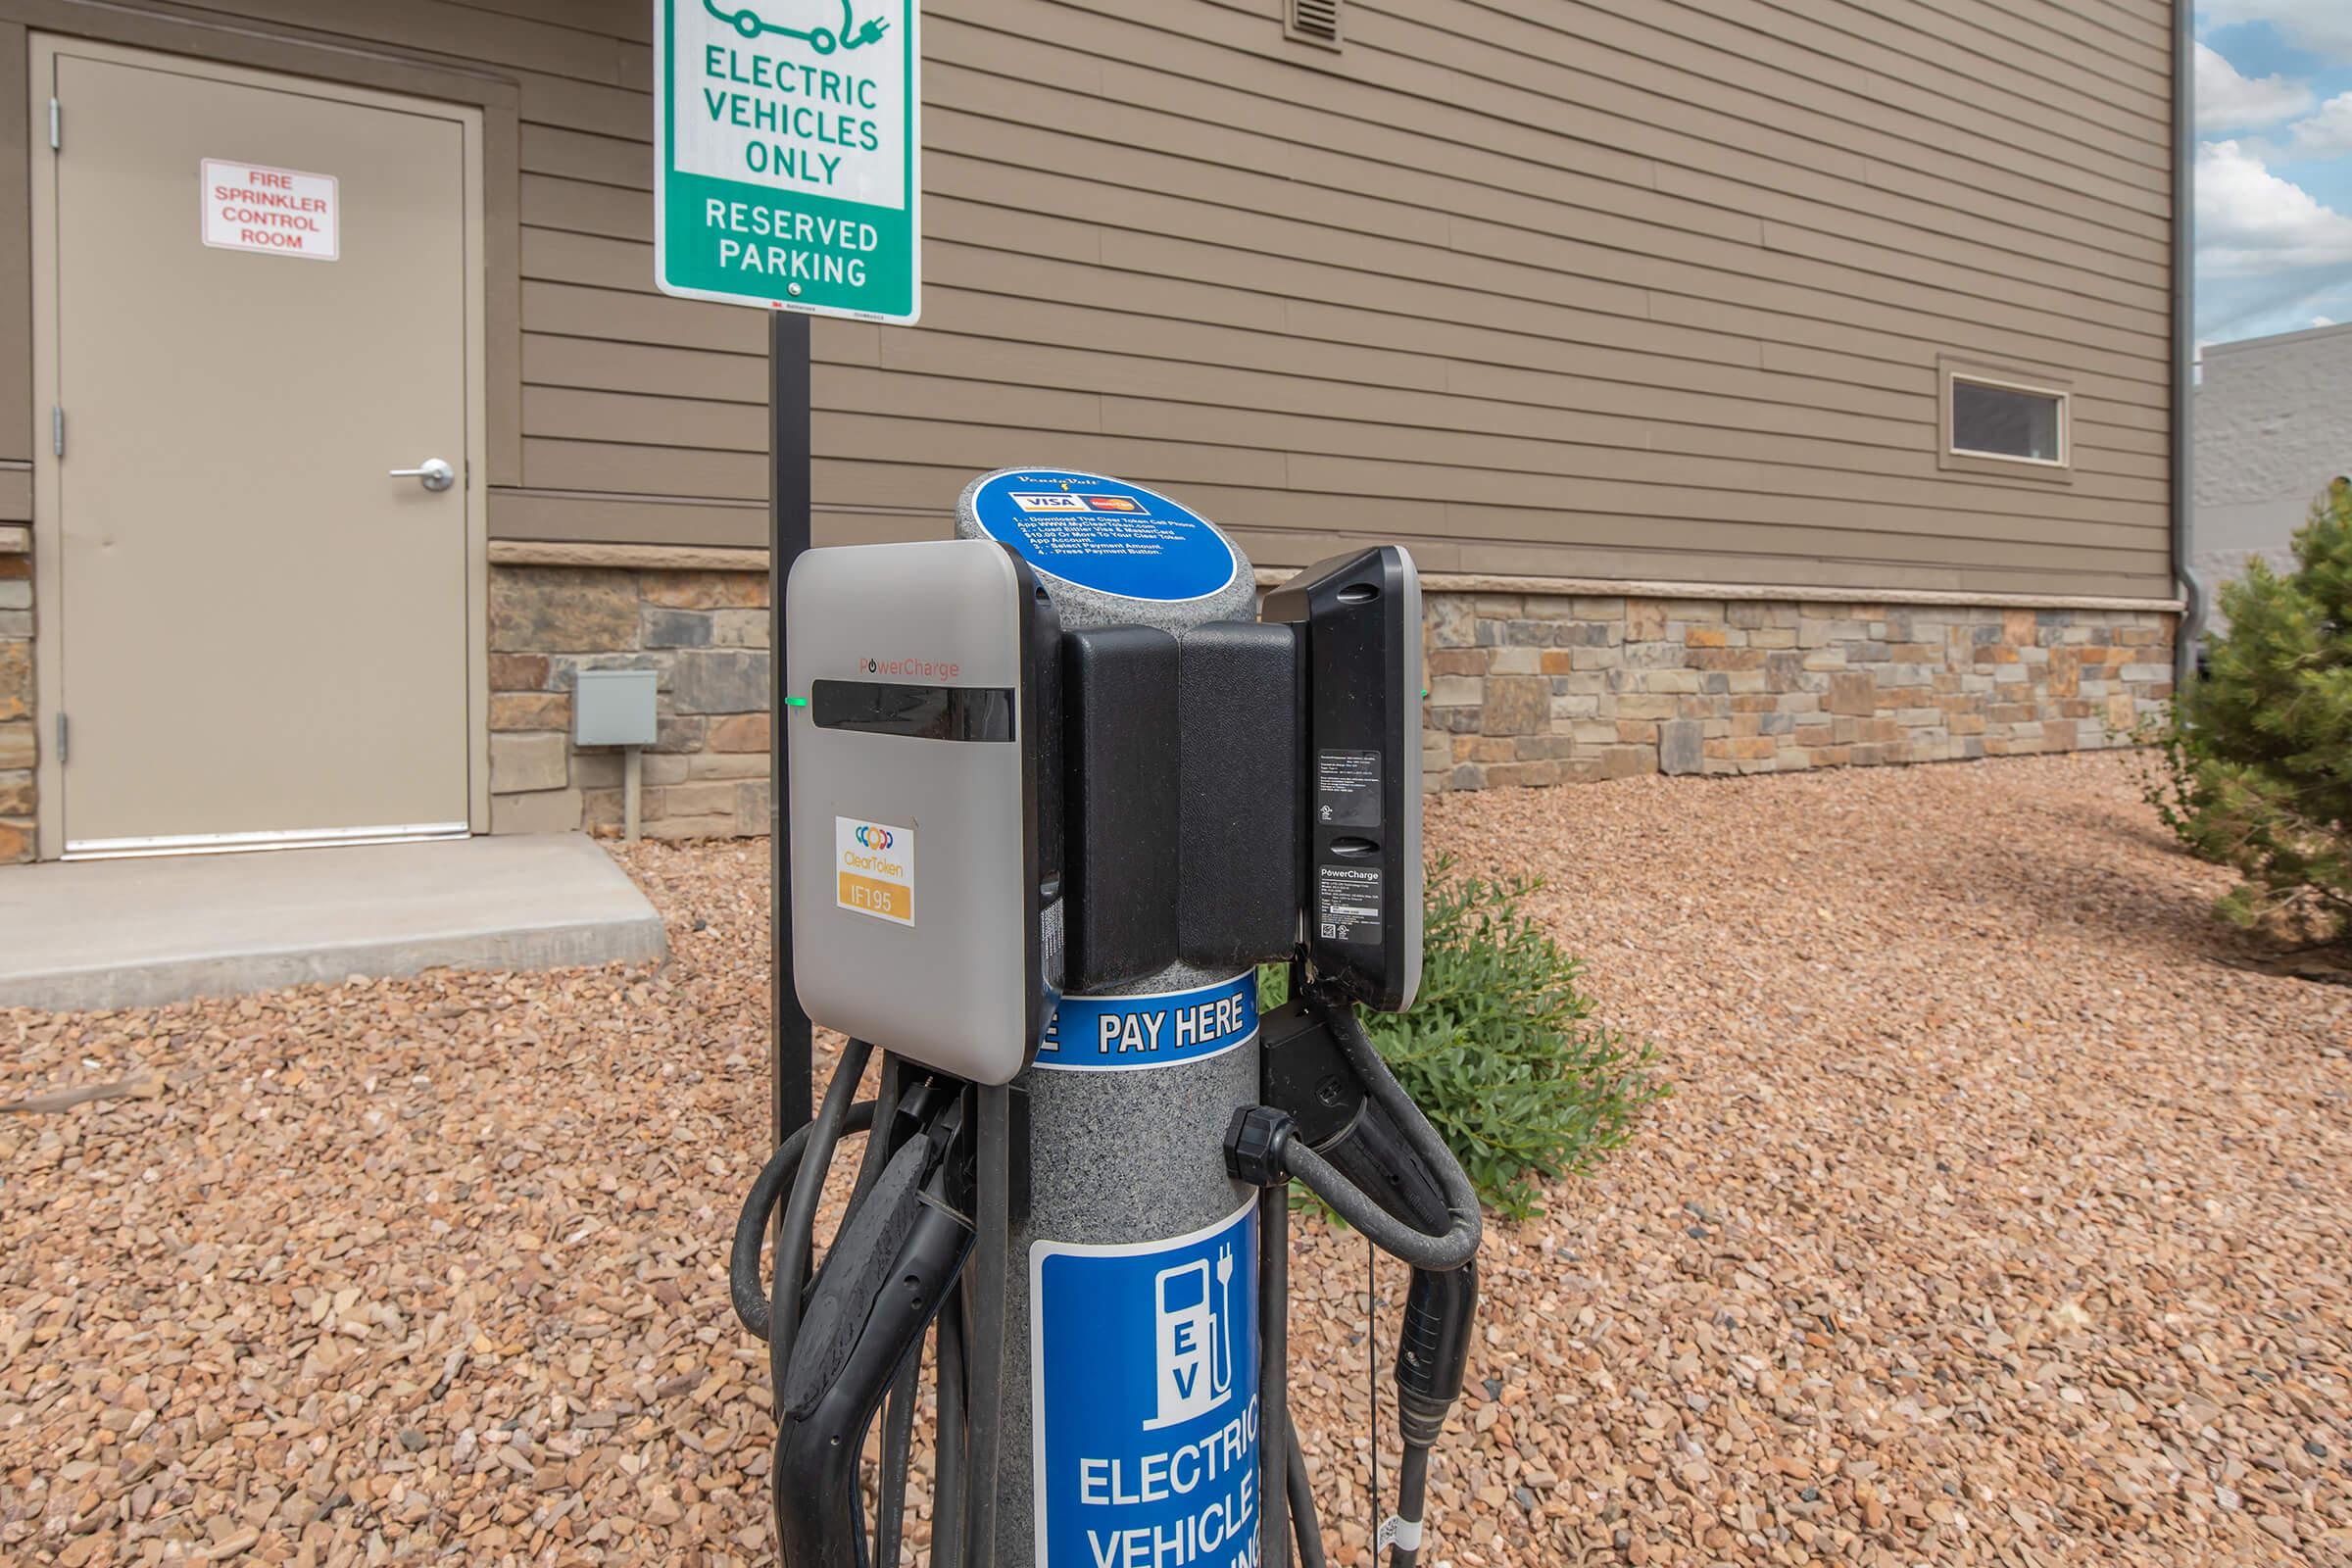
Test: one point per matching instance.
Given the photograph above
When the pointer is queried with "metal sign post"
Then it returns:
(788, 175)
(791, 1057)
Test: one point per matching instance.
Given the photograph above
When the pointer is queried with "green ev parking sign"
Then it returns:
(788, 137)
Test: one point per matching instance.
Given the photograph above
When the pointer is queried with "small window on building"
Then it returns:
(2004, 421)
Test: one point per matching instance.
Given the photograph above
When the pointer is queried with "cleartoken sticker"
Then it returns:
(874, 870)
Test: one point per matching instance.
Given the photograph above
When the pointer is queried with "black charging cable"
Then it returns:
(1374, 1158)
(744, 1283)
(846, 1347)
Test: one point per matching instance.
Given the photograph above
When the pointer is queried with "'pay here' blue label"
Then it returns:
(1111, 1034)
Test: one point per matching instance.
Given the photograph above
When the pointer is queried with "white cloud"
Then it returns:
(2229, 101)
(2251, 224)
(2323, 27)
(2323, 321)
(2328, 134)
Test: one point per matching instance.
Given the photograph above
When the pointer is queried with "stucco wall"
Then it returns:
(2274, 425)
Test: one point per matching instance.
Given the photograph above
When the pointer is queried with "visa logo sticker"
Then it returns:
(1158, 1029)
(1048, 501)
(874, 870)
(1144, 1399)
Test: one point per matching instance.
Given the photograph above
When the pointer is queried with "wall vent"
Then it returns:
(1314, 21)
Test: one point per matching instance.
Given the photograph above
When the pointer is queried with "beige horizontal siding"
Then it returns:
(1548, 101)
(1592, 288)
(625, 519)
(597, 365)
(1501, 278)
(1716, 70)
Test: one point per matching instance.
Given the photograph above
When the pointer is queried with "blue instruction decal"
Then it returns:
(1105, 534)
(1145, 1359)
(1116, 1034)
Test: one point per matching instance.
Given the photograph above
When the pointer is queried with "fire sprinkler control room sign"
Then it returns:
(786, 160)
(279, 211)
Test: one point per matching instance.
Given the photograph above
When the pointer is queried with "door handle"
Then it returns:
(433, 474)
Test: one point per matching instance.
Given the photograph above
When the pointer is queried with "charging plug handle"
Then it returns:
(1433, 1350)
(1342, 1124)
(823, 1433)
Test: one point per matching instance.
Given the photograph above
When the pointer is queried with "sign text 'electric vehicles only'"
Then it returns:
(787, 154)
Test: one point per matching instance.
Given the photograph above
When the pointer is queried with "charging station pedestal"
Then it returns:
(1058, 787)
(1135, 1265)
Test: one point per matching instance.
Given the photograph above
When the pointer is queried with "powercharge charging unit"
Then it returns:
(1060, 786)
(914, 719)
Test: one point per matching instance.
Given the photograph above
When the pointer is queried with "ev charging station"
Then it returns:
(1057, 787)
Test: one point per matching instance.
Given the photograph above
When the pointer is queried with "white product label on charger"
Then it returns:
(874, 870)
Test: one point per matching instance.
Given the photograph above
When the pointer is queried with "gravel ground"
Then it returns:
(2000, 1215)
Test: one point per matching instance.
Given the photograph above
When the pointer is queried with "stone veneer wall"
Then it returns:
(1555, 689)
(20, 746)
(704, 632)
(1525, 689)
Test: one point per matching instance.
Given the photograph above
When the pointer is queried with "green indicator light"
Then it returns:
(796, 702)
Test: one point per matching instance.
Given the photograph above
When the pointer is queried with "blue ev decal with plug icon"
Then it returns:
(1146, 1401)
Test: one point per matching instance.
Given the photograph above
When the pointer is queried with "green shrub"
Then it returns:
(2256, 770)
(1499, 1048)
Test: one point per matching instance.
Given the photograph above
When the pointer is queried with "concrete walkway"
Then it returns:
(136, 933)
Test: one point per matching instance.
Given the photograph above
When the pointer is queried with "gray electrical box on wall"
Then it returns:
(614, 708)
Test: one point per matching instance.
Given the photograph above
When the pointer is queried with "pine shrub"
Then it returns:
(2257, 763)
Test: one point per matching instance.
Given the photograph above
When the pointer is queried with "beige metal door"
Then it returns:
(261, 311)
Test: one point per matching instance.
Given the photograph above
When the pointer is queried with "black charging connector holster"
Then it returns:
(1314, 1095)
(1189, 850)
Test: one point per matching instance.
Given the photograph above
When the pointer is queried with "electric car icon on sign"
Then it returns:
(848, 33)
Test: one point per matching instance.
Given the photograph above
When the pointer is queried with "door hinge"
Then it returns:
(57, 125)
(60, 740)
(57, 428)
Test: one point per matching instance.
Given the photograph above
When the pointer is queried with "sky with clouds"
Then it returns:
(2273, 167)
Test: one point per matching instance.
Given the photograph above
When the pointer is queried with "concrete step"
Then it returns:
(96, 934)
